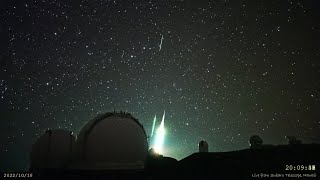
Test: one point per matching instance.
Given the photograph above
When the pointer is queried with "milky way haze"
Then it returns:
(221, 70)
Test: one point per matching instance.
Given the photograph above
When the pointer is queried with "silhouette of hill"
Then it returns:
(243, 164)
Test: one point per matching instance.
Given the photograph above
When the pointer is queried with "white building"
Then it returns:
(52, 150)
(111, 141)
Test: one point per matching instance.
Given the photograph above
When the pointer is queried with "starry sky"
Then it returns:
(224, 70)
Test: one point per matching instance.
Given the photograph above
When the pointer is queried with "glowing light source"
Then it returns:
(153, 125)
(160, 135)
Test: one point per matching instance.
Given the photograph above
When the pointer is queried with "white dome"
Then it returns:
(52, 150)
(112, 141)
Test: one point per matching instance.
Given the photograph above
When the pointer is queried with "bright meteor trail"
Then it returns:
(160, 45)
(160, 135)
(153, 125)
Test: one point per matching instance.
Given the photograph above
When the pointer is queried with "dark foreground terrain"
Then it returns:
(301, 161)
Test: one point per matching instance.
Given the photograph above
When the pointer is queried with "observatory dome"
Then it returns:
(52, 150)
(203, 146)
(112, 141)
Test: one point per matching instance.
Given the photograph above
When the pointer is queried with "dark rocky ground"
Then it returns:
(242, 164)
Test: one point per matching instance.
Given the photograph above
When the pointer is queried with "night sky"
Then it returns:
(225, 70)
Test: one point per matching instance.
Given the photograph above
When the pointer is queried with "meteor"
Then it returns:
(160, 45)
(160, 135)
(153, 125)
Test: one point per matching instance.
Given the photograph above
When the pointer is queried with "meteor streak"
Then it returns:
(160, 45)
(160, 135)
(153, 125)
